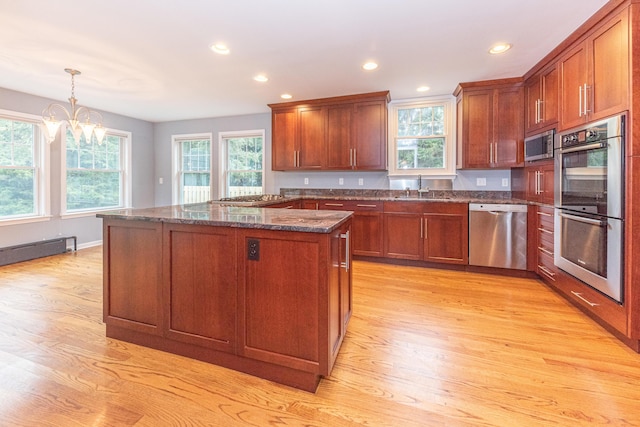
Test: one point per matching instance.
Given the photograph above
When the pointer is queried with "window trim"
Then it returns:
(125, 197)
(176, 162)
(42, 162)
(222, 176)
(449, 171)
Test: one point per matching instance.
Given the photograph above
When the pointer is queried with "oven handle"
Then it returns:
(597, 222)
(584, 147)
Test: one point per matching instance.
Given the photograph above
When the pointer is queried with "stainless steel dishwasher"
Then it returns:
(498, 235)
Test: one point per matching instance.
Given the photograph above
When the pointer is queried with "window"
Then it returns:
(242, 158)
(96, 176)
(23, 169)
(192, 168)
(421, 140)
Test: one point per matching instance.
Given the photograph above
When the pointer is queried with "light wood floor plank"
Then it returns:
(425, 347)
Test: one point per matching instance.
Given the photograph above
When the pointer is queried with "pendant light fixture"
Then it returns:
(79, 119)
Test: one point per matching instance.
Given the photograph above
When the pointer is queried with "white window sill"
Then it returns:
(83, 214)
(25, 220)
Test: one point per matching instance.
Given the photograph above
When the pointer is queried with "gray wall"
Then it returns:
(88, 229)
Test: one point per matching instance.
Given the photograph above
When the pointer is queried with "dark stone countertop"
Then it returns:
(307, 221)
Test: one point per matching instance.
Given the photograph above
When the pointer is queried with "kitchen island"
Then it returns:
(262, 291)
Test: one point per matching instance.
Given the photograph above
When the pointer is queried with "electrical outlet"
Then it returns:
(340, 181)
(505, 182)
(306, 181)
(360, 181)
(481, 182)
(161, 180)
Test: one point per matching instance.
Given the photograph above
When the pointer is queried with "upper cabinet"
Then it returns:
(341, 133)
(541, 100)
(594, 74)
(490, 124)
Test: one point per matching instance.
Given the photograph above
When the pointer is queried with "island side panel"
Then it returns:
(200, 278)
(282, 298)
(132, 253)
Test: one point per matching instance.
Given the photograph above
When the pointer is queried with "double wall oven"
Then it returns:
(589, 201)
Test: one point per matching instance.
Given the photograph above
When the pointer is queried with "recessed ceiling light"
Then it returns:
(220, 48)
(369, 66)
(500, 48)
(286, 96)
(261, 78)
(423, 88)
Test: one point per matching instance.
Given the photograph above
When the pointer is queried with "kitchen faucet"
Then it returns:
(420, 189)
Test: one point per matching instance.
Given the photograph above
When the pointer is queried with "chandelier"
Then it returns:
(79, 119)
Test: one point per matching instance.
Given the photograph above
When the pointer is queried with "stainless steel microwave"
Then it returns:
(539, 146)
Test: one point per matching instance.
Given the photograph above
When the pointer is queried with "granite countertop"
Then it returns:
(308, 221)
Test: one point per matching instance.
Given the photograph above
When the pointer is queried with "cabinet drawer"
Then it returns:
(404, 207)
(351, 205)
(545, 238)
(545, 217)
(546, 268)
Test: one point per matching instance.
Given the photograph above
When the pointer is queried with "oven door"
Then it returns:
(589, 178)
(589, 247)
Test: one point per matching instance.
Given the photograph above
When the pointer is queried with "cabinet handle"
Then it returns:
(579, 295)
(355, 158)
(422, 228)
(491, 153)
(350, 157)
(579, 101)
(586, 102)
(546, 271)
(426, 228)
(545, 231)
(334, 204)
(495, 147)
(537, 119)
(367, 206)
(546, 251)
(345, 264)
(543, 213)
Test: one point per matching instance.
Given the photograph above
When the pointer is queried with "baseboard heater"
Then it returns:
(43, 248)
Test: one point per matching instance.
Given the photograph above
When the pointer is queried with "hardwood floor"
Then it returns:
(424, 347)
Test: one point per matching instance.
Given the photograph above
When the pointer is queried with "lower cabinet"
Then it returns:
(427, 231)
(545, 265)
(367, 224)
(271, 303)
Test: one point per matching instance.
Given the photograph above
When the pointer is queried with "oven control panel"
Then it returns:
(583, 136)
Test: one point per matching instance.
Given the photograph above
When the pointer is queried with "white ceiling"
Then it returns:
(150, 59)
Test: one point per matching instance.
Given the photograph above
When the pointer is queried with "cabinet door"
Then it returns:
(132, 275)
(547, 183)
(403, 235)
(281, 279)
(370, 142)
(508, 131)
(367, 233)
(533, 183)
(284, 135)
(573, 78)
(532, 101)
(200, 285)
(446, 233)
(339, 136)
(311, 147)
(549, 106)
(477, 137)
(609, 56)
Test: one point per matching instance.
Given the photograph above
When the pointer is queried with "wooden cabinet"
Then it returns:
(446, 232)
(545, 265)
(367, 224)
(490, 124)
(539, 181)
(403, 232)
(133, 254)
(541, 100)
(594, 74)
(340, 133)
(199, 282)
(427, 231)
(298, 140)
(270, 303)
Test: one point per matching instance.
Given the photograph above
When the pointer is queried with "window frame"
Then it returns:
(176, 162)
(125, 171)
(41, 165)
(449, 169)
(223, 149)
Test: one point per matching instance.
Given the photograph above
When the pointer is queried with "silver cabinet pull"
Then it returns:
(543, 214)
(548, 252)
(544, 230)
(579, 295)
(334, 204)
(367, 206)
(345, 264)
(355, 158)
(579, 101)
(546, 271)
